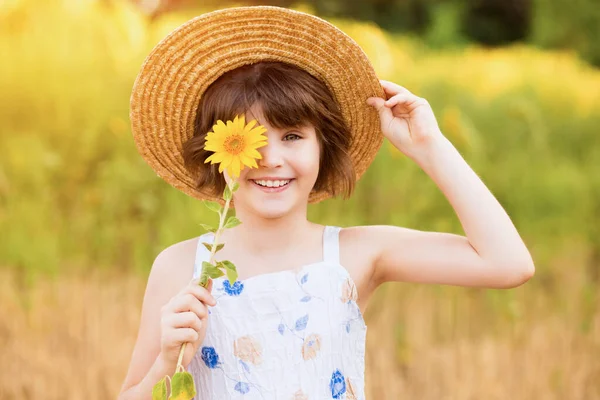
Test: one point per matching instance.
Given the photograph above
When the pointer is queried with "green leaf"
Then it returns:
(232, 222)
(159, 391)
(231, 271)
(231, 275)
(211, 270)
(228, 264)
(209, 246)
(227, 193)
(182, 386)
(215, 273)
(213, 206)
(206, 265)
(235, 187)
(208, 228)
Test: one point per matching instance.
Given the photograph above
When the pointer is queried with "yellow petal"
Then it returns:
(250, 125)
(216, 147)
(209, 158)
(216, 158)
(219, 127)
(240, 121)
(258, 130)
(256, 138)
(255, 143)
(253, 153)
(249, 161)
(226, 162)
(236, 167)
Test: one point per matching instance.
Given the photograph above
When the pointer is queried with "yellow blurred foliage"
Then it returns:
(76, 196)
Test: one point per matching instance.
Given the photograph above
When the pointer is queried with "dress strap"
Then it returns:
(202, 253)
(331, 244)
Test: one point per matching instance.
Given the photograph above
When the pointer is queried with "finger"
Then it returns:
(385, 113)
(391, 88)
(407, 99)
(201, 294)
(185, 335)
(188, 302)
(186, 320)
(196, 282)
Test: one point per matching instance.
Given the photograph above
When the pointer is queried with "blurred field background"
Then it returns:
(82, 216)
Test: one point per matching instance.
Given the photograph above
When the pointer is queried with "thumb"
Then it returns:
(385, 113)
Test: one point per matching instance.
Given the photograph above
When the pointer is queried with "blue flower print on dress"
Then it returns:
(234, 290)
(301, 323)
(210, 357)
(337, 384)
(304, 279)
(242, 387)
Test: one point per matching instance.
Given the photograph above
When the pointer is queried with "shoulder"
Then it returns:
(173, 267)
(364, 244)
(370, 236)
(375, 236)
(364, 241)
(358, 257)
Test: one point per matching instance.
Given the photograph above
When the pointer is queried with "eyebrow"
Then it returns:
(303, 125)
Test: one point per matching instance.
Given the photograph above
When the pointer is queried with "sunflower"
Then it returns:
(234, 145)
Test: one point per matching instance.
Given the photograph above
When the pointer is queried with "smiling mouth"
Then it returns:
(272, 186)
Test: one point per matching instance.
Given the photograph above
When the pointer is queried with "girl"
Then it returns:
(291, 326)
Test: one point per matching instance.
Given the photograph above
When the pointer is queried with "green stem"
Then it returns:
(212, 255)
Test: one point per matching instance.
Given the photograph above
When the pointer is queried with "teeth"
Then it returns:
(272, 183)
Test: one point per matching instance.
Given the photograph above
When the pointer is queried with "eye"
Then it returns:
(291, 136)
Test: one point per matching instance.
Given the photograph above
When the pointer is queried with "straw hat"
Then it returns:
(167, 90)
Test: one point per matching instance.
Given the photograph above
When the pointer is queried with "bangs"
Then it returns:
(288, 97)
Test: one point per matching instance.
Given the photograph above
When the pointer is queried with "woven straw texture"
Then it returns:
(180, 68)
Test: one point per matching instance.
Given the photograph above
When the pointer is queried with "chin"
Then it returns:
(273, 209)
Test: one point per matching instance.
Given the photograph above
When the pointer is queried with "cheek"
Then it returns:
(308, 162)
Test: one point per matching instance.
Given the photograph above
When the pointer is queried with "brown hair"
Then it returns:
(290, 97)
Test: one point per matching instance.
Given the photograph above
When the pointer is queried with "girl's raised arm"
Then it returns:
(491, 255)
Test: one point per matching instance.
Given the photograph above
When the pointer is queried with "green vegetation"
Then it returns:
(74, 193)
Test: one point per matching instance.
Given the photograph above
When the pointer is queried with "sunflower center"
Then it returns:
(234, 144)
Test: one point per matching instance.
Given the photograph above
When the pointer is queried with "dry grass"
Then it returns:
(71, 338)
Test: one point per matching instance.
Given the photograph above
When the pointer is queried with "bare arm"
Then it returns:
(166, 278)
(491, 255)
(143, 390)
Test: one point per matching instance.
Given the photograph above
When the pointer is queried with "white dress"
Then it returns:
(293, 334)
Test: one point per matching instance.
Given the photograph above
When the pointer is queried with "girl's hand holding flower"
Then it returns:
(185, 318)
(407, 121)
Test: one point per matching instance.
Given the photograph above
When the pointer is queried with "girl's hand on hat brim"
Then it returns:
(406, 120)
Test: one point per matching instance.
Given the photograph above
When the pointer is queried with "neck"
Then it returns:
(259, 235)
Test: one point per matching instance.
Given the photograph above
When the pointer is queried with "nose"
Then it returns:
(271, 156)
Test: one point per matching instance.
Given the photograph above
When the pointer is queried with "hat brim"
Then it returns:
(167, 90)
